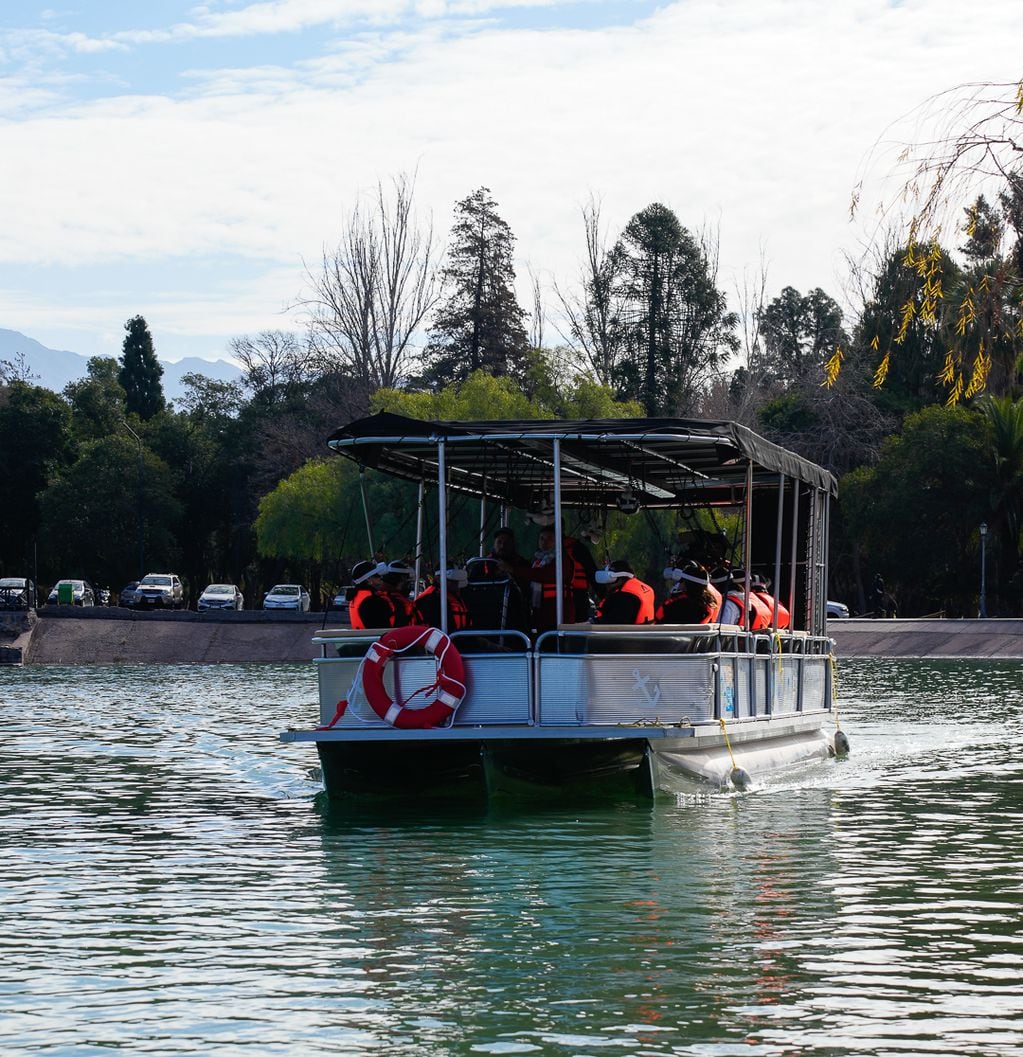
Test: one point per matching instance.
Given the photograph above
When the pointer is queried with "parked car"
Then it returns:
(159, 591)
(221, 596)
(287, 596)
(127, 596)
(71, 593)
(17, 592)
(837, 610)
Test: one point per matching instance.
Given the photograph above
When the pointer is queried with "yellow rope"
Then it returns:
(727, 744)
(834, 689)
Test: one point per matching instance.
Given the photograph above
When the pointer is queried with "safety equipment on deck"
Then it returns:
(449, 684)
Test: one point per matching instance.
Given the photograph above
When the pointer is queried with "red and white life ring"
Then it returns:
(450, 683)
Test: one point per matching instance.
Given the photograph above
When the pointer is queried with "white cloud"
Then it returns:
(756, 117)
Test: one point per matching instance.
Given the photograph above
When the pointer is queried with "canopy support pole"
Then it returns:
(365, 510)
(559, 561)
(795, 549)
(747, 543)
(419, 537)
(777, 549)
(442, 524)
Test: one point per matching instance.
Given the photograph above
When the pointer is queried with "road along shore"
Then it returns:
(120, 636)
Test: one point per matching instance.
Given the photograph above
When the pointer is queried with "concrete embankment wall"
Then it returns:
(995, 638)
(116, 636)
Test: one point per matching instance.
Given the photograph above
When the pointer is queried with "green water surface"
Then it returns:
(171, 883)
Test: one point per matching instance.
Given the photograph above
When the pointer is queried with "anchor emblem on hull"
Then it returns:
(641, 687)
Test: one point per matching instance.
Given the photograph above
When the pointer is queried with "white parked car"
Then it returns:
(837, 610)
(287, 596)
(221, 596)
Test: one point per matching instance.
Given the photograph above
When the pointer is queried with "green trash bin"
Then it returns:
(65, 594)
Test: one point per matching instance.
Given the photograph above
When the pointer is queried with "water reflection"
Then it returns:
(173, 885)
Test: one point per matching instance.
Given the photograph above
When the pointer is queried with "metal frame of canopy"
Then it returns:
(666, 463)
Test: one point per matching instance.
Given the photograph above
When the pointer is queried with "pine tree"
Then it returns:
(480, 325)
(140, 371)
(677, 328)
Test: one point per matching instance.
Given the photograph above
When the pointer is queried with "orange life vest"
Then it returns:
(760, 615)
(783, 614)
(458, 611)
(355, 616)
(643, 592)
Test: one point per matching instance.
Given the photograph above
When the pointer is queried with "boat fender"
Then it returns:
(740, 779)
(841, 745)
(449, 684)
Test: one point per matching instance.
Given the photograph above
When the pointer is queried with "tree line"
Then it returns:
(231, 482)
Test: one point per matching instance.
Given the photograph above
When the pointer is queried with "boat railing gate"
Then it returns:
(586, 675)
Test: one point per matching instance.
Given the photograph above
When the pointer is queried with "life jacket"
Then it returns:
(783, 614)
(580, 580)
(458, 611)
(355, 616)
(716, 612)
(403, 608)
(643, 592)
(683, 608)
(760, 615)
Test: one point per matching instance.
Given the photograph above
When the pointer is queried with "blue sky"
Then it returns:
(182, 161)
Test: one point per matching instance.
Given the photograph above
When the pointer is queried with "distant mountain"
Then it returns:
(54, 368)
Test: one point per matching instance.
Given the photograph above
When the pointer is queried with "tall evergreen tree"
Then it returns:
(800, 333)
(677, 327)
(480, 325)
(140, 371)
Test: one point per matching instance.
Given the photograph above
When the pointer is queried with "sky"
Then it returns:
(186, 162)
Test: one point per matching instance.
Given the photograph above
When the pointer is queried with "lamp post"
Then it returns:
(983, 569)
(142, 554)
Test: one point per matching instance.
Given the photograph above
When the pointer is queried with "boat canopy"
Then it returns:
(662, 461)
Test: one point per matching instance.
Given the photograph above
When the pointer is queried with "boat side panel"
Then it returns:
(609, 689)
(498, 688)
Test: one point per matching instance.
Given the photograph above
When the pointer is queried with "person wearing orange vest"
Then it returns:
(584, 570)
(761, 587)
(542, 577)
(693, 600)
(628, 599)
(427, 606)
(397, 581)
(733, 608)
(370, 606)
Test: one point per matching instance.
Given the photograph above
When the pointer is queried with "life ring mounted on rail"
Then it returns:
(450, 682)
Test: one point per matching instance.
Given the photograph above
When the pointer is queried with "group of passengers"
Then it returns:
(505, 590)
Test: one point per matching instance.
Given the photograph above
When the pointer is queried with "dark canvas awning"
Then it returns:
(664, 461)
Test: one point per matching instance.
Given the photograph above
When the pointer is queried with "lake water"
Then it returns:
(172, 884)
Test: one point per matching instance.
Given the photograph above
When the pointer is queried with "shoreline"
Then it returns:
(65, 636)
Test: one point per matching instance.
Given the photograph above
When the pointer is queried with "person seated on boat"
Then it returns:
(427, 606)
(628, 599)
(398, 584)
(506, 550)
(693, 600)
(761, 587)
(493, 597)
(370, 604)
(733, 606)
(542, 578)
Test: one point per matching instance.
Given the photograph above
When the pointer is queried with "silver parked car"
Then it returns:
(159, 591)
(221, 596)
(837, 610)
(287, 596)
